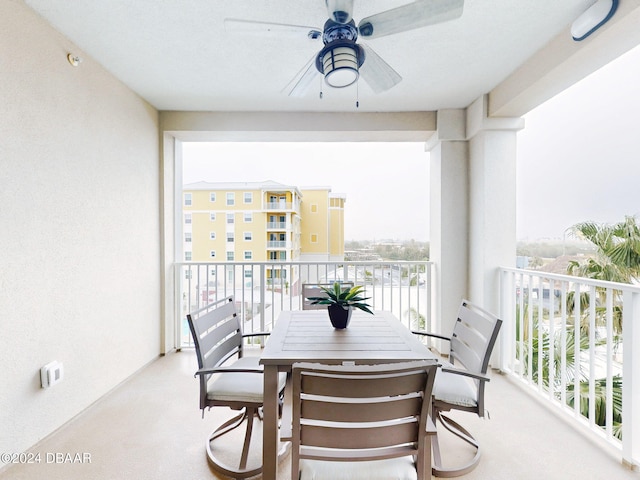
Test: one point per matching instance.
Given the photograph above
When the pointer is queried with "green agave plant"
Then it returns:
(344, 296)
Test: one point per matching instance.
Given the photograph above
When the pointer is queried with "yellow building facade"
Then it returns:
(261, 222)
(322, 225)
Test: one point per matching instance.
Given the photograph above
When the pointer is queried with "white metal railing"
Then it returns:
(540, 345)
(263, 289)
(278, 244)
(279, 205)
(277, 225)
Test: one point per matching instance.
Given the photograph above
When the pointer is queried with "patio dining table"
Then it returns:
(308, 336)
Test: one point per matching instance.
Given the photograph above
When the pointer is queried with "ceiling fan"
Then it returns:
(342, 59)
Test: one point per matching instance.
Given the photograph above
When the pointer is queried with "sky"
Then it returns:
(382, 197)
(578, 160)
(579, 154)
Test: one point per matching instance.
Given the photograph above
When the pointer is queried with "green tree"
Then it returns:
(540, 347)
(617, 257)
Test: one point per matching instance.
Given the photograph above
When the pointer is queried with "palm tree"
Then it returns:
(573, 368)
(617, 251)
(617, 260)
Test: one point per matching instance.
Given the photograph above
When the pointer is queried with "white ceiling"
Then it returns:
(177, 55)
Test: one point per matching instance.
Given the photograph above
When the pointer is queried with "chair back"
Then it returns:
(217, 336)
(474, 336)
(314, 290)
(472, 342)
(361, 413)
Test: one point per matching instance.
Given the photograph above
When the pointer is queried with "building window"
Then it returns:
(212, 196)
(187, 256)
(231, 237)
(248, 197)
(314, 208)
(314, 238)
(187, 236)
(248, 274)
(248, 255)
(277, 255)
(188, 274)
(187, 218)
(187, 199)
(212, 236)
(212, 217)
(230, 257)
(230, 218)
(231, 199)
(248, 217)
(248, 236)
(212, 254)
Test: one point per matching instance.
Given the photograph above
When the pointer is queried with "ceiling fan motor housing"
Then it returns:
(340, 10)
(341, 58)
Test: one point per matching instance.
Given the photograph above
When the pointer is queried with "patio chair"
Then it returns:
(364, 422)
(470, 347)
(314, 290)
(227, 378)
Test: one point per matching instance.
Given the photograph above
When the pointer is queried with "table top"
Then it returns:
(308, 336)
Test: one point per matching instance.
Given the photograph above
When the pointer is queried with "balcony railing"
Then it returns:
(278, 244)
(561, 334)
(262, 290)
(280, 206)
(277, 225)
(572, 341)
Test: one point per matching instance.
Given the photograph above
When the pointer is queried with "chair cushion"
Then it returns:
(241, 386)
(401, 468)
(455, 389)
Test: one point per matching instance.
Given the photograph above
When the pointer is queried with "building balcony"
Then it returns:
(281, 206)
(276, 225)
(159, 433)
(277, 244)
(537, 350)
(534, 430)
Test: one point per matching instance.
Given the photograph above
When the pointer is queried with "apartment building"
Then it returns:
(253, 222)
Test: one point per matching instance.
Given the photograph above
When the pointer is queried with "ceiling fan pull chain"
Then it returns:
(357, 93)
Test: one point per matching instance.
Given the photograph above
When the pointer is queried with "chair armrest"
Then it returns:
(427, 334)
(256, 334)
(207, 371)
(458, 371)
(431, 426)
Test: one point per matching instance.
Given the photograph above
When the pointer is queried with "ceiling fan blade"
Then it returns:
(377, 73)
(340, 11)
(237, 25)
(299, 85)
(419, 13)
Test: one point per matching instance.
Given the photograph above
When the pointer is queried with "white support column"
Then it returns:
(492, 201)
(449, 219)
(171, 177)
(473, 221)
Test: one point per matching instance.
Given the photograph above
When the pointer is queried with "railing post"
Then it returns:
(631, 380)
(263, 294)
(507, 309)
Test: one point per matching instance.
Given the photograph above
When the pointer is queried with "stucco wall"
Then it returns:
(80, 230)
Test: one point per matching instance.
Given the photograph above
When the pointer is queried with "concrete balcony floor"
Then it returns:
(151, 428)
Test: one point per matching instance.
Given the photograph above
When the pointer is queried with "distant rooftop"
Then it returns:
(267, 184)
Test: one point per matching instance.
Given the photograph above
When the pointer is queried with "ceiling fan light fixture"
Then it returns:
(340, 66)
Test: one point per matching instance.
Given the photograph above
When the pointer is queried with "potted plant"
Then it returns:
(340, 303)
